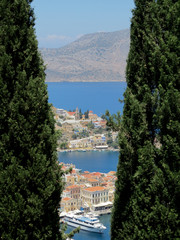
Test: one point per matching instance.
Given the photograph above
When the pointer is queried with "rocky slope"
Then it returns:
(92, 58)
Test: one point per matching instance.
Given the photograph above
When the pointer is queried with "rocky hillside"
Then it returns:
(92, 58)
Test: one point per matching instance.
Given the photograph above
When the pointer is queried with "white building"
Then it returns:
(95, 195)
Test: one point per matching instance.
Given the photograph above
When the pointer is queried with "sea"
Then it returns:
(92, 161)
(97, 97)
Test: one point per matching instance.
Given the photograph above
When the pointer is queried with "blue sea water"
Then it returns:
(104, 162)
(97, 96)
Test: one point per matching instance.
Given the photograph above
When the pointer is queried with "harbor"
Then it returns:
(94, 167)
(86, 222)
(85, 235)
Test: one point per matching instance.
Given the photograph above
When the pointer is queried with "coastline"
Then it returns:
(84, 81)
(88, 150)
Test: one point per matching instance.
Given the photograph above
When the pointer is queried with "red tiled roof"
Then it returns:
(66, 199)
(112, 172)
(94, 189)
(73, 171)
(71, 113)
(108, 178)
(92, 180)
(97, 173)
(63, 168)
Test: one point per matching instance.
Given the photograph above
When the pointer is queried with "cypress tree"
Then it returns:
(30, 179)
(169, 110)
(146, 197)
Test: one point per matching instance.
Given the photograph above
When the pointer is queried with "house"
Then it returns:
(67, 127)
(93, 182)
(95, 195)
(80, 143)
(74, 191)
(96, 175)
(99, 140)
(103, 123)
(70, 180)
(69, 204)
(66, 194)
(111, 173)
(71, 115)
(74, 115)
(92, 116)
(96, 124)
(61, 112)
(80, 178)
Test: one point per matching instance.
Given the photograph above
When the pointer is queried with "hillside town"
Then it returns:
(86, 131)
(88, 191)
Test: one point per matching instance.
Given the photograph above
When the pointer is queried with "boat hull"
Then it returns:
(85, 228)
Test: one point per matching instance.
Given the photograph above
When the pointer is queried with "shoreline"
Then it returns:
(85, 81)
(87, 150)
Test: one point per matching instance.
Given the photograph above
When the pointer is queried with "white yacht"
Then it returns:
(91, 224)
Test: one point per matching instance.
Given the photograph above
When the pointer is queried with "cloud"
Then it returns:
(55, 37)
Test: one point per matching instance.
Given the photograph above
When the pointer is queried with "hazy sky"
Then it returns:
(59, 22)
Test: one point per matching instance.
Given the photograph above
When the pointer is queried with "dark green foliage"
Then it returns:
(90, 125)
(146, 204)
(63, 145)
(80, 114)
(30, 179)
(65, 236)
(86, 114)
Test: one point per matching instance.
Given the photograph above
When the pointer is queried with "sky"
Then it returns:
(59, 22)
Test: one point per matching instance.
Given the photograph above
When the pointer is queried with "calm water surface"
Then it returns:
(97, 97)
(91, 161)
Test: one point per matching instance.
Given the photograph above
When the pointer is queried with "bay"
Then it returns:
(91, 161)
(95, 96)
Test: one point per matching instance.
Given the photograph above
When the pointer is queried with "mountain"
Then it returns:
(95, 57)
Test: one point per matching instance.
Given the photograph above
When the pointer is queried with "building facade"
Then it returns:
(95, 195)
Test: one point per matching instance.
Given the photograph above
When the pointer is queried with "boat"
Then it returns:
(61, 216)
(87, 223)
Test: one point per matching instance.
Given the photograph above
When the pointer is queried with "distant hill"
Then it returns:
(94, 57)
